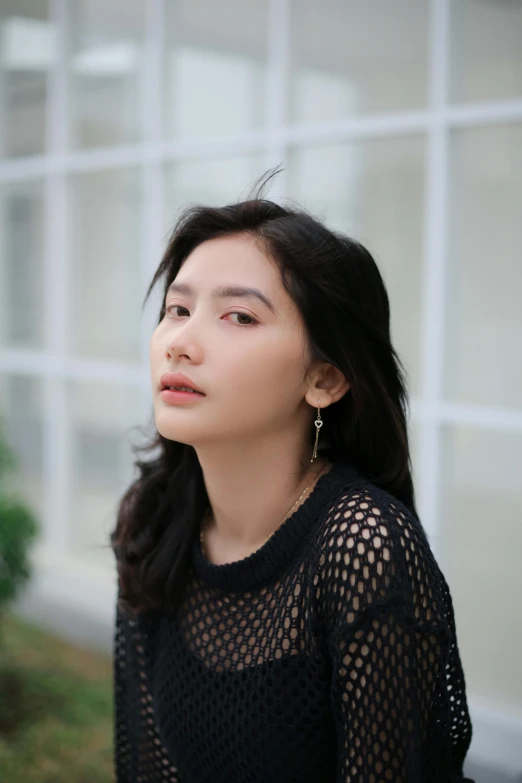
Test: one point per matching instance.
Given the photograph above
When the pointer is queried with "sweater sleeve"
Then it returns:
(139, 754)
(397, 690)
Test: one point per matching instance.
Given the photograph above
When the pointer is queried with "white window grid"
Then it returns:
(429, 410)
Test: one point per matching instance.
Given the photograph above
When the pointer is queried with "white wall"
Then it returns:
(400, 123)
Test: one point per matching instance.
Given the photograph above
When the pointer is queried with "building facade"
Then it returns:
(397, 122)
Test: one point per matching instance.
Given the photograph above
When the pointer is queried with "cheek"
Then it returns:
(157, 346)
(266, 370)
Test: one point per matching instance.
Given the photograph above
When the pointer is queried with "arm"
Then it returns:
(391, 638)
(389, 702)
(139, 754)
(461, 727)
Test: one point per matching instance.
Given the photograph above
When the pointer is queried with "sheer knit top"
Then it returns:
(329, 654)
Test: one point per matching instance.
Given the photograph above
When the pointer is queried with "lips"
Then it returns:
(178, 379)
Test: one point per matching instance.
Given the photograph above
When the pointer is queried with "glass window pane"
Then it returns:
(484, 323)
(22, 245)
(374, 191)
(105, 295)
(215, 67)
(482, 535)
(486, 50)
(100, 417)
(27, 49)
(22, 424)
(212, 181)
(414, 437)
(105, 67)
(353, 57)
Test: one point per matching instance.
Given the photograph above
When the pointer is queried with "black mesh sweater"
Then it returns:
(329, 654)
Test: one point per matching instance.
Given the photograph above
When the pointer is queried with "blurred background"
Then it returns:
(397, 121)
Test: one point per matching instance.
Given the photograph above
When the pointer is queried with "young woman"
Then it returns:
(281, 616)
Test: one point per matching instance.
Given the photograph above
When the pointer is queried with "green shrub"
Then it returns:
(18, 528)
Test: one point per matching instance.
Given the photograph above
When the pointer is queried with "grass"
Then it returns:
(55, 709)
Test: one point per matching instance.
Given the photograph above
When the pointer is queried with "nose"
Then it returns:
(182, 343)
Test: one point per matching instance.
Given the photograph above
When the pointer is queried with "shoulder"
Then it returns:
(363, 512)
(374, 550)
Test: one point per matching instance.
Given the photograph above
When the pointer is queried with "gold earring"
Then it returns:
(318, 425)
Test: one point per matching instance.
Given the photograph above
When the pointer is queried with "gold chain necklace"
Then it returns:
(285, 517)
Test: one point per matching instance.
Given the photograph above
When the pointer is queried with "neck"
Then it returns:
(249, 521)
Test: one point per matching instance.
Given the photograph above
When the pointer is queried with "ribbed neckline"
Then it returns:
(259, 567)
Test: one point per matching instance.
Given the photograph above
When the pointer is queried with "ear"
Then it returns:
(328, 386)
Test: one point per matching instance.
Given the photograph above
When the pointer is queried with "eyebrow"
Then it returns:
(225, 292)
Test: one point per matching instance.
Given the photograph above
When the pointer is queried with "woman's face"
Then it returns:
(248, 358)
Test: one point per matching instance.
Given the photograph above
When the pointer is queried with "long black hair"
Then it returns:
(335, 283)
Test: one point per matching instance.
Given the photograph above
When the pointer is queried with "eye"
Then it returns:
(244, 315)
(175, 307)
(252, 320)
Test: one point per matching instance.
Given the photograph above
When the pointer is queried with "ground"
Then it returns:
(55, 709)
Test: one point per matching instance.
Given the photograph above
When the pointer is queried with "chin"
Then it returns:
(165, 427)
(173, 436)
